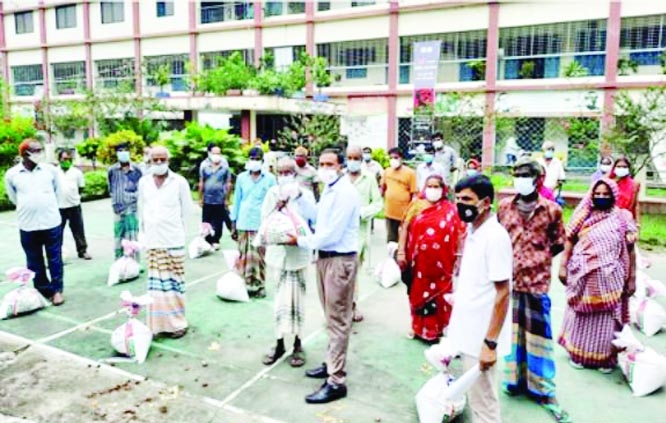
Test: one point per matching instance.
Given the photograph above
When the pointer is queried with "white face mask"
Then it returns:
(395, 163)
(621, 172)
(36, 158)
(327, 176)
(367, 157)
(253, 165)
(605, 168)
(437, 144)
(216, 158)
(159, 169)
(524, 186)
(285, 179)
(433, 194)
(354, 166)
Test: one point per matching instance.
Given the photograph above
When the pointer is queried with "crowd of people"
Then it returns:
(477, 276)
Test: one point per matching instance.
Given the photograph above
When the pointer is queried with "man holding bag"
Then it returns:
(337, 218)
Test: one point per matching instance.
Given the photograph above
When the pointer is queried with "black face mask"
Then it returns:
(467, 212)
(602, 203)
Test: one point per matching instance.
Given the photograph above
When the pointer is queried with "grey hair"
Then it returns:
(354, 149)
(158, 148)
(286, 162)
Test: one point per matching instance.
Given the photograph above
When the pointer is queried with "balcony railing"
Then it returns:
(231, 11)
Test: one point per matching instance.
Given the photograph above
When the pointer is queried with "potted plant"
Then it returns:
(161, 76)
(322, 77)
(527, 70)
(67, 88)
(478, 68)
(624, 65)
(235, 73)
(575, 70)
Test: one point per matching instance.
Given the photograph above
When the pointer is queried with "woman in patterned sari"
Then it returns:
(427, 249)
(598, 269)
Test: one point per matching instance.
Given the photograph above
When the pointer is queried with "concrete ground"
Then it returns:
(214, 374)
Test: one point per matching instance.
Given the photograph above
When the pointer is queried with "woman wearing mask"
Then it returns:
(629, 189)
(288, 263)
(472, 167)
(605, 166)
(599, 272)
(427, 249)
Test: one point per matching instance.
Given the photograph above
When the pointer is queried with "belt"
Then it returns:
(331, 254)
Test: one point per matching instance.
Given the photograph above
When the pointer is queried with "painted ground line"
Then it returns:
(239, 411)
(261, 374)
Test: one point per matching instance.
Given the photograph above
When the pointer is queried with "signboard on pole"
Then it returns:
(425, 67)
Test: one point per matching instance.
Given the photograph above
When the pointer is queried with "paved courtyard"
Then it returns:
(214, 374)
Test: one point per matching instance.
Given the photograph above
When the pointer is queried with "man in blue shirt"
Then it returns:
(34, 187)
(249, 193)
(214, 181)
(123, 178)
(336, 237)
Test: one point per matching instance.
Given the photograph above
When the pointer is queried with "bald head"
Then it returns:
(354, 150)
(159, 151)
(286, 165)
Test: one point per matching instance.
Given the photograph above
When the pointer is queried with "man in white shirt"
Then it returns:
(428, 168)
(445, 155)
(554, 169)
(71, 179)
(34, 187)
(164, 203)
(480, 326)
(371, 167)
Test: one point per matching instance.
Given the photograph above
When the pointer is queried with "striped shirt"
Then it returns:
(123, 187)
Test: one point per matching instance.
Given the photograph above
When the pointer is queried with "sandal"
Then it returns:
(557, 412)
(273, 356)
(357, 317)
(297, 358)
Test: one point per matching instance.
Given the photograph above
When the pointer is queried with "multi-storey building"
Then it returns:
(518, 58)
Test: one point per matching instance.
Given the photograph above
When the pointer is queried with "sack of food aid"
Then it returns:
(643, 368)
(126, 267)
(388, 272)
(646, 287)
(23, 299)
(133, 338)
(231, 258)
(642, 262)
(648, 315)
(199, 247)
(440, 355)
(431, 404)
(280, 226)
(231, 287)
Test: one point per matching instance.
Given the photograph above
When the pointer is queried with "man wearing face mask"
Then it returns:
(123, 178)
(337, 218)
(370, 166)
(34, 187)
(371, 204)
(214, 183)
(71, 180)
(428, 168)
(398, 188)
(164, 204)
(252, 185)
(554, 169)
(536, 228)
(479, 327)
(445, 155)
(306, 174)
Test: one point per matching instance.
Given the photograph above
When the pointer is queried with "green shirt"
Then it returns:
(371, 200)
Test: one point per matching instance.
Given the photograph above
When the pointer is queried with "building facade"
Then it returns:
(539, 60)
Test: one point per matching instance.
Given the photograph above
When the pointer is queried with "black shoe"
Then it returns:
(317, 373)
(327, 393)
(85, 256)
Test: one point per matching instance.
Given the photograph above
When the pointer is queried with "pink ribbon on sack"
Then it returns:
(132, 308)
(20, 275)
(640, 312)
(129, 247)
(129, 333)
(207, 229)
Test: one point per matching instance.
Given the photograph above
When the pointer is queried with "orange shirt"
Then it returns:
(400, 186)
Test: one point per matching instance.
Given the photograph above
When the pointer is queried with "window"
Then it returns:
(174, 65)
(23, 21)
(363, 60)
(211, 59)
(112, 11)
(225, 11)
(362, 3)
(164, 8)
(69, 78)
(323, 6)
(644, 38)
(115, 73)
(26, 78)
(65, 16)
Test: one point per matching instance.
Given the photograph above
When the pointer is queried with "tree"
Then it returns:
(640, 124)
(315, 132)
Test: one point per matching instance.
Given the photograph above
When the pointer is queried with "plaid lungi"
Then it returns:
(125, 226)
(530, 366)
(289, 303)
(166, 286)
(251, 265)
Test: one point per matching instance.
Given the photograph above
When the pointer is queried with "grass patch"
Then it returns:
(656, 192)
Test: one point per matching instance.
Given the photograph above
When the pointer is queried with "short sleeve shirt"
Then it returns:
(70, 182)
(400, 186)
(215, 181)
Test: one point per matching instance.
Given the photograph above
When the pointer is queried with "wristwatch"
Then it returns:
(492, 345)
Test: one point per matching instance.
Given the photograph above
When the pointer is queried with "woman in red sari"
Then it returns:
(628, 188)
(427, 249)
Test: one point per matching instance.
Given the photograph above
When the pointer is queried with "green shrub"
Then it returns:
(96, 185)
(5, 204)
(381, 156)
(106, 153)
(12, 132)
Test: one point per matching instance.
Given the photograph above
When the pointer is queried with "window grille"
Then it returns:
(362, 62)
(26, 78)
(176, 64)
(23, 22)
(164, 8)
(66, 16)
(643, 39)
(225, 11)
(69, 78)
(457, 52)
(112, 11)
(210, 60)
(278, 8)
(323, 6)
(115, 74)
(296, 51)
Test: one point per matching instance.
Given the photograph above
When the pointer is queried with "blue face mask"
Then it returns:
(367, 157)
(123, 156)
(428, 158)
(354, 166)
(549, 154)
(472, 172)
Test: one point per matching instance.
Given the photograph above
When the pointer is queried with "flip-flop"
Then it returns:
(557, 412)
(297, 359)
